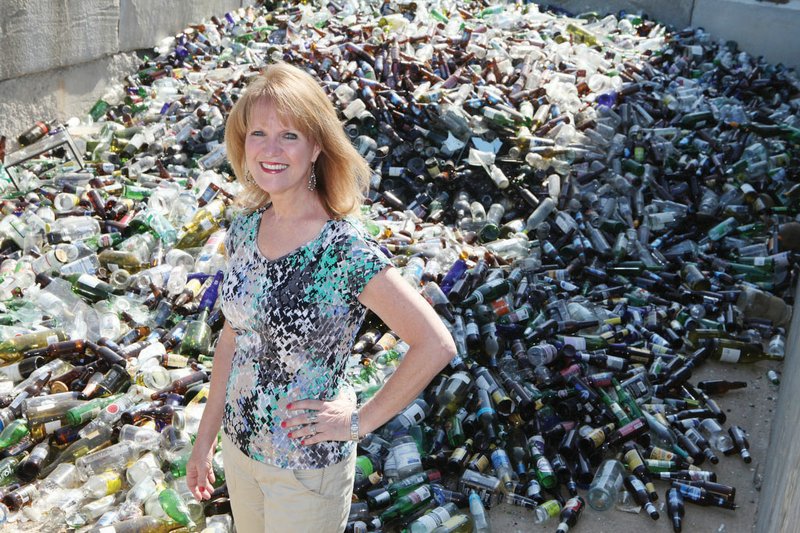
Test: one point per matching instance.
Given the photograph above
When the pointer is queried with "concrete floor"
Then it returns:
(752, 408)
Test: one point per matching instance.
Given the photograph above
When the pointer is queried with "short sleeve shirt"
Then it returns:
(296, 318)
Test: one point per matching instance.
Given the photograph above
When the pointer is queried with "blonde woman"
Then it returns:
(301, 273)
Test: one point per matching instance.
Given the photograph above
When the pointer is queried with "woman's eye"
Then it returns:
(256, 133)
(291, 135)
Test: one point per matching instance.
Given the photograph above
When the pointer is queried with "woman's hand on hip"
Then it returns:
(323, 420)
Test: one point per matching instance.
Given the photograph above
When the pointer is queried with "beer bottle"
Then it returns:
(739, 437)
(637, 489)
(675, 508)
(570, 513)
(720, 386)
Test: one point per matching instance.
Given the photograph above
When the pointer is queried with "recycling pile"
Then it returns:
(594, 206)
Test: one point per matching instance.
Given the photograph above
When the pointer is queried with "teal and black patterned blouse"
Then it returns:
(296, 319)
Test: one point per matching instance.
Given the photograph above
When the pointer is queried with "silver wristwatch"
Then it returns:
(354, 426)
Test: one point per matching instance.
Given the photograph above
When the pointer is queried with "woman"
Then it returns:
(300, 273)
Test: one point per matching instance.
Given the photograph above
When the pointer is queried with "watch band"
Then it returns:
(354, 426)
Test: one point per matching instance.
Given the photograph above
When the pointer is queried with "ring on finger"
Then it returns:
(313, 428)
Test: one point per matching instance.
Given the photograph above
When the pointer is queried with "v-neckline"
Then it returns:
(303, 246)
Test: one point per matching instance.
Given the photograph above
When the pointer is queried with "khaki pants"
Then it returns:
(267, 499)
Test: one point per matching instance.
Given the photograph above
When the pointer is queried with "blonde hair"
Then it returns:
(342, 174)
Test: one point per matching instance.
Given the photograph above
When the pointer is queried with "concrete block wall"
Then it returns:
(59, 56)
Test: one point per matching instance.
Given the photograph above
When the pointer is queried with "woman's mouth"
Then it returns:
(273, 167)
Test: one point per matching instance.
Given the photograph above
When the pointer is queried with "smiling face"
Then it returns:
(278, 154)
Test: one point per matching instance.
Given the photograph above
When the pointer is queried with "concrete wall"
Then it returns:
(761, 28)
(60, 55)
(677, 13)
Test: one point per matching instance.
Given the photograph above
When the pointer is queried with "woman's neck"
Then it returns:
(288, 209)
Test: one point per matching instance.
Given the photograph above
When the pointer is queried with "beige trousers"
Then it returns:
(268, 499)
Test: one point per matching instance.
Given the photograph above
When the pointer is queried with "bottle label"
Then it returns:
(543, 466)
(484, 410)
(176, 361)
(440, 515)
(113, 482)
(50, 427)
(598, 437)
(578, 342)
(616, 363)
(633, 460)
(500, 460)
(522, 314)
(88, 281)
(383, 498)
(431, 520)
(11, 372)
(730, 355)
(406, 456)
(415, 414)
(420, 495)
(551, 507)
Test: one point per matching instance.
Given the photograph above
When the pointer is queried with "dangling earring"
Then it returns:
(312, 179)
(249, 177)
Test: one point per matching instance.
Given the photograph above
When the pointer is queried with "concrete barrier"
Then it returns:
(59, 56)
(143, 22)
(40, 36)
(778, 511)
(676, 13)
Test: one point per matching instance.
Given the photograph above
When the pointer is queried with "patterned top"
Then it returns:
(296, 319)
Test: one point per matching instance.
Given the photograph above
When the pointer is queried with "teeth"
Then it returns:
(274, 167)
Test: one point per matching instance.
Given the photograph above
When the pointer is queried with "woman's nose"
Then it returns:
(271, 146)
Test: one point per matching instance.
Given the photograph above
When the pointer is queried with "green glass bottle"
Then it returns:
(734, 351)
(406, 505)
(13, 433)
(8, 468)
(88, 410)
(197, 339)
(542, 466)
(487, 292)
(408, 484)
(175, 507)
(90, 287)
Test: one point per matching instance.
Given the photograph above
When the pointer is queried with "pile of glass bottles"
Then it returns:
(595, 206)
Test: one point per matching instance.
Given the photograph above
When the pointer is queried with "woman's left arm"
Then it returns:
(431, 347)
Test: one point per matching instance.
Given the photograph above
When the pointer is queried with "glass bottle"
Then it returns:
(546, 511)
(175, 507)
(433, 518)
(405, 505)
(12, 349)
(479, 515)
(570, 513)
(605, 486)
(675, 508)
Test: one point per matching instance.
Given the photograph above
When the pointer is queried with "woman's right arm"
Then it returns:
(199, 474)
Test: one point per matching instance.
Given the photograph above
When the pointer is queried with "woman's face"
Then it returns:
(278, 155)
